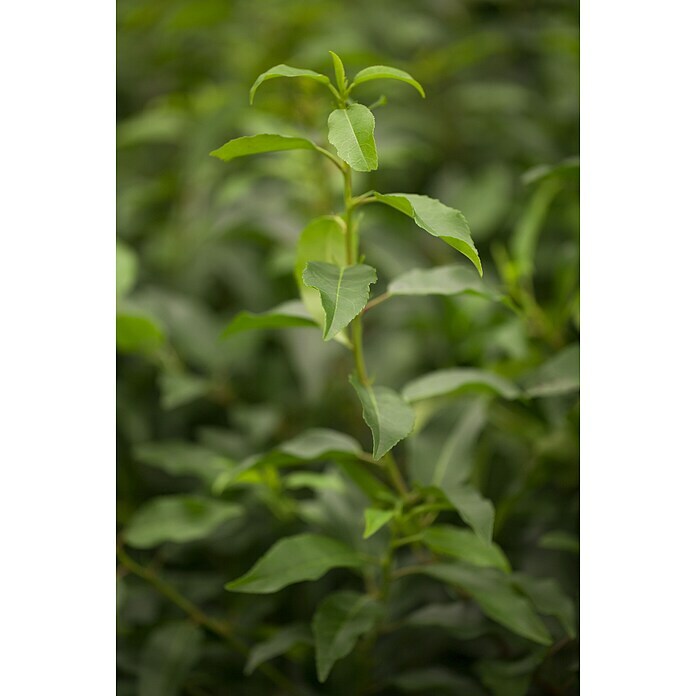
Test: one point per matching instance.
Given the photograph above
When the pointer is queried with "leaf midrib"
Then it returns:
(335, 310)
(355, 136)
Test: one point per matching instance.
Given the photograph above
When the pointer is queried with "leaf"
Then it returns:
(295, 559)
(437, 219)
(126, 269)
(258, 144)
(180, 458)
(461, 620)
(443, 280)
(458, 380)
(436, 680)
(136, 333)
(352, 133)
(493, 592)
(558, 540)
(285, 71)
(322, 240)
(316, 481)
(171, 650)
(548, 598)
(560, 375)
(177, 389)
(344, 291)
(177, 518)
(465, 546)
(281, 642)
(371, 486)
(389, 417)
(340, 71)
(375, 519)
(285, 315)
(337, 625)
(313, 444)
(384, 72)
(505, 678)
(455, 460)
(474, 509)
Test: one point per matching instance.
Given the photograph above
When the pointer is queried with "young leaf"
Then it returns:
(285, 71)
(371, 486)
(389, 417)
(437, 219)
(344, 291)
(560, 375)
(548, 599)
(126, 269)
(444, 280)
(340, 71)
(177, 518)
(454, 381)
(281, 642)
(295, 559)
(136, 333)
(558, 540)
(459, 619)
(322, 240)
(505, 678)
(169, 653)
(384, 72)
(375, 519)
(257, 144)
(478, 512)
(494, 593)
(337, 625)
(352, 133)
(287, 314)
(465, 546)
(177, 389)
(180, 458)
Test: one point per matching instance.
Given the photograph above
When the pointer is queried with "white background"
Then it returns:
(57, 381)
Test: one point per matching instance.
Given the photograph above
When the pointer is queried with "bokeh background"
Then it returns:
(199, 240)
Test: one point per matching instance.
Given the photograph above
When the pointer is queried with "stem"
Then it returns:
(395, 475)
(220, 629)
(376, 301)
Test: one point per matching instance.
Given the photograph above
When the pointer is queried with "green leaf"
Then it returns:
(344, 291)
(478, 512)
(316, 481)
(295, 559)
(126, 269)
(458, 619)
(177, 389)
(443, 280)
(548, 599)
(558, 540)
(281, 642)
(352, 133)
(340, 71)
(177, 518)
(285, 71)
(389, 417)
(180, 458)
(384, 72)
(560, 375)
(436, 680)
(437, 219)
(337, 625)
(322, 240)
(170, 652)
(505, 678)
(371, 486)
(458, 380)
(258, 144)
(465, 546)
(494, 593)
(375, 519)
(285, 315)
(136, 333)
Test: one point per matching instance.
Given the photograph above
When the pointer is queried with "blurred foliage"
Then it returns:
(200, 241)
